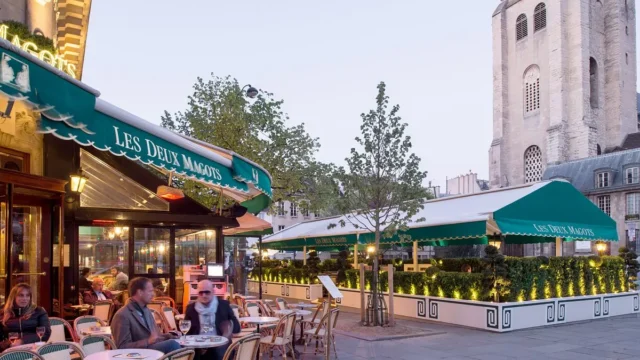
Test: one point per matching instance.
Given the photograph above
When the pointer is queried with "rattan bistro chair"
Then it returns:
(20, 355)
(243, 349)
(103, 310)
(58, 327)
(84, 323)
(319, 333)
(180, 354)
(282, 338)
(92, 344)
(63, 350)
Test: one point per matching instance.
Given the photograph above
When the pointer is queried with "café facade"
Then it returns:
(77, 170)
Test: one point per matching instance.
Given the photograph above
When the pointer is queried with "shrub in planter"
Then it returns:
(631, 266)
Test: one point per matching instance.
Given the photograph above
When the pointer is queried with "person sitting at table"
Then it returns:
(84, 284)
(217, 313)
(22, 316)
(120, 279)
(133, 326)
(97, 293)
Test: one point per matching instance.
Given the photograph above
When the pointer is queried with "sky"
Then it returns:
(324, 59)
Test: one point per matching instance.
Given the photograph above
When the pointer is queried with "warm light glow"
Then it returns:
(601, 247)
(112, 235)
(118, 231)
(371, 249)
(456, 294)
(169, 193)
(77, 183)
(161, 249)
(497, 244)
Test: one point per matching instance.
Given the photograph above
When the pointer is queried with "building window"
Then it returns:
(281, 208)
(521, 27)
(633, 204)
(532, 164)
(632, 175)
(14, 160)
(604, 203)
(316, 214)
(532, 89)
(294, 210)
(603, 180)
(305, 210)
(593, 82)
(540, 17)
(280, 227)
(598, 150)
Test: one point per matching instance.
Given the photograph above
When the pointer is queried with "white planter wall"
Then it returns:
(504, 317)
(294, 291)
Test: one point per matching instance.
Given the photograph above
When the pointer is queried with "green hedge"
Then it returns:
(526, 279)
(288, 275)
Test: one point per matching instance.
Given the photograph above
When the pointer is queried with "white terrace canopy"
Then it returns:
(547, 211)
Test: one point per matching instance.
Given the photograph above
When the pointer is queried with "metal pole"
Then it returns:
(61, 262)
(260, 267)
(327, 352)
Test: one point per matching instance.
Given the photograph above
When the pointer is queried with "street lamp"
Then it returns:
(78, 180)
(601, 247)
(251, 91)
(371, 249)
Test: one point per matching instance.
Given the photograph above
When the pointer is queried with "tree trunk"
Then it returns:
(375, 281)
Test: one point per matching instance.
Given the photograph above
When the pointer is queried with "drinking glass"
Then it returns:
(185, 325)
(13, 337)
(40, 330)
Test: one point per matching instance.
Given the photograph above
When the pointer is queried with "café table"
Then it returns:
(202, 341)
(103, 330)
(302, 306)
(146, 354)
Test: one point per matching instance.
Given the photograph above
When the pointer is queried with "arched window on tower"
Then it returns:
(540, 17)
(521, 27)
(598, 150)
(532, 164)
(532, 89)
(593, 82)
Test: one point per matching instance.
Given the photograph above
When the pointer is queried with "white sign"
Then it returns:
(330, 286)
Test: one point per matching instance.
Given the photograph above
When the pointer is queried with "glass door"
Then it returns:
(25, 251)
(4, 217)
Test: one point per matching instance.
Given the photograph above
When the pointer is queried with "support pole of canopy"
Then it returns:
(415, 256)
(558, 246)
(304, 255)
(260, 267)
(355, 256)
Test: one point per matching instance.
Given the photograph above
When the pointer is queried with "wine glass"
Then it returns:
(13, 337)
(40, 330)
(185, 325)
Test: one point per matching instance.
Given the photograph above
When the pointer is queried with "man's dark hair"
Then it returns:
(136, 284)
(117, 268)
(86, 271)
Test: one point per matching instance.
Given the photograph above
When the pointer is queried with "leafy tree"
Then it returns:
(257, 129)
(382, 188)
(631, 264)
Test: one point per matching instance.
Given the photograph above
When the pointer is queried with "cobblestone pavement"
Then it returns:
(615, 338)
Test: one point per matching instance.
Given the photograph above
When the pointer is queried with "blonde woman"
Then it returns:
(23, 319)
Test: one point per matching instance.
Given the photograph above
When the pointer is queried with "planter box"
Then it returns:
(505, 317)
(294, 291)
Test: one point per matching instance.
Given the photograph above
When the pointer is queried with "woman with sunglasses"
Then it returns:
(22, 321)
(213, 316)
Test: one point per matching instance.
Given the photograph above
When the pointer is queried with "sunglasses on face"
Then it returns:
(206, 292)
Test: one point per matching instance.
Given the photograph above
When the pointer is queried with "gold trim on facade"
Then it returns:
(72, 19)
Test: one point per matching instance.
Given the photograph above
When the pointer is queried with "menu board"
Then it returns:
(330, 286)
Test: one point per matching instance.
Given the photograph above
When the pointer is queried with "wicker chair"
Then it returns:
(321, 311)
(63, 350)
(180, 354)
(245, 348)
(170, 317)
(319, 333)
(103, 310)
(282, 338)
(20, 355)
(161, 320)
(84, 323)
(58, 327)
(168, 301)
(92, 344)
(282, 304)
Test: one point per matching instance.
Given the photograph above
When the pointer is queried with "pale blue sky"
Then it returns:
(323, 58)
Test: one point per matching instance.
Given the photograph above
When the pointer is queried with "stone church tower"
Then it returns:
(564, 83)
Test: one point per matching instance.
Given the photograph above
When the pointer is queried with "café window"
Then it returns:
(108, 188)
(14, 160)
(101, 248)
(192, 247)
(151, 257)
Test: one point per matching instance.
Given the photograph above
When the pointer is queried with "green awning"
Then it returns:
(554, 210)
(532, 213)
(72, 111)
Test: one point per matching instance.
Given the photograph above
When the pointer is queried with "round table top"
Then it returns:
(203, 341)
(131, 354)
(104, 330)
(259, 320)
(268, 300)
(302, 305)
(298, 312)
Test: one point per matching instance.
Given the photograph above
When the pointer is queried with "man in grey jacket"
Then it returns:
(120, 279)
(133, 326)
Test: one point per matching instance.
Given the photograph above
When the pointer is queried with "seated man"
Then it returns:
(133, 326)
(97, 293)
(120, 279)
(210, 315)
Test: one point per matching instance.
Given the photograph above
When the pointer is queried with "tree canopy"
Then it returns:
(259, 130)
